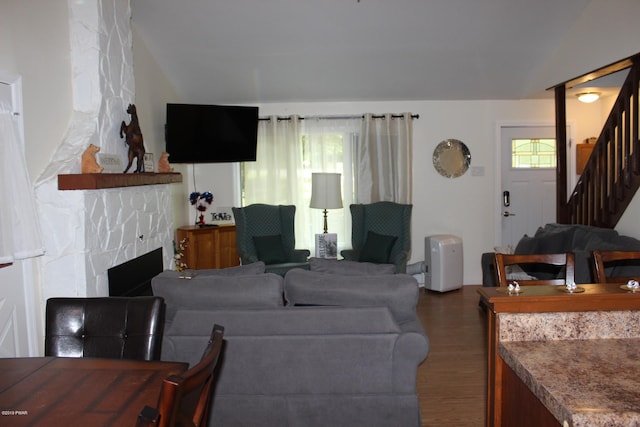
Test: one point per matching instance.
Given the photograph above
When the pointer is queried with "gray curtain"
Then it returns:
(383, 159)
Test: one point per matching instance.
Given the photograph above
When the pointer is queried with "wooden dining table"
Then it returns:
(58, 391)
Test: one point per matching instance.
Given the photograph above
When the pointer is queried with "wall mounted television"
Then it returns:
(197, 133)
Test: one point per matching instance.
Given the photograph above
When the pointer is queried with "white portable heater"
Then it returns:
(443, 259)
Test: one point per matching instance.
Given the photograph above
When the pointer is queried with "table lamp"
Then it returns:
(325, 193)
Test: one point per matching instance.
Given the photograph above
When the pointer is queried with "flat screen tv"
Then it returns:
(196, 133)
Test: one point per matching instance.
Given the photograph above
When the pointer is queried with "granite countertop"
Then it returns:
(591, 382)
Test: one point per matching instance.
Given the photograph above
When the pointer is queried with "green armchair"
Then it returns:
(266, 233)
(380, 233)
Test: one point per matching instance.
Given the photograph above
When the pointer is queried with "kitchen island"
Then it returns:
(558, 358)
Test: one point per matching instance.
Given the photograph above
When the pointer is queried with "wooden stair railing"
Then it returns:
(611, 176)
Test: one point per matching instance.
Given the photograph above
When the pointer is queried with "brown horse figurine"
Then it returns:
(133, 140)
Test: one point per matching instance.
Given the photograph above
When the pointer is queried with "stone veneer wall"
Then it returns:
(87, 232)
(94, 230)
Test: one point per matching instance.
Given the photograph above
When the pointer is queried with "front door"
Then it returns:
(528, 198)
(18, 332)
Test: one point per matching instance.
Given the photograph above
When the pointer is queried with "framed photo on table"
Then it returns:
(327, 245)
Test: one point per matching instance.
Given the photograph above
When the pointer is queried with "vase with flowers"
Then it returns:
(201, 201)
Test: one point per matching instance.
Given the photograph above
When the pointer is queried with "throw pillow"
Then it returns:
(377, 248)
(270, 249)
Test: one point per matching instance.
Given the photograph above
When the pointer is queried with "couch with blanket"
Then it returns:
(582, 240)
(335, 346)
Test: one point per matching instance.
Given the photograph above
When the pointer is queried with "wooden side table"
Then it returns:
(209, 246)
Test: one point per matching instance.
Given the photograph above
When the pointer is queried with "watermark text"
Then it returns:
(14, 413)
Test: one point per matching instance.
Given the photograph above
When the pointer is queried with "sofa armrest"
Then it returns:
(410, 347)
(400, 261)
(350, 254)
(301, 255)
(248, 258)
(488, 269)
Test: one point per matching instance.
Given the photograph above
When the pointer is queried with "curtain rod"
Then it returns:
(393, 116)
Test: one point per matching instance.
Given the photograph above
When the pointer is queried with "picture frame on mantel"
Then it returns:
(110, 162)
(148, 162)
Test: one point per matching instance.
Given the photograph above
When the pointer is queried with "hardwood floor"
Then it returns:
(452, 380)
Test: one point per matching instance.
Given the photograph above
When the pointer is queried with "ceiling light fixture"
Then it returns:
(588, 97)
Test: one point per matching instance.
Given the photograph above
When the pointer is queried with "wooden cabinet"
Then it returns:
(583, 151)
(209, 247)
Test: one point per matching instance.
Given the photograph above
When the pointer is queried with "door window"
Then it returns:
(533, 153)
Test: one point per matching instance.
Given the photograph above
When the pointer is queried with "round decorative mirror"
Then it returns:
(451, 158)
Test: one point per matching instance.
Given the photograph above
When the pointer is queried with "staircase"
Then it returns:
(611, 176)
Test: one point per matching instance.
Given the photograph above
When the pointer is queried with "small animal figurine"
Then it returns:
(134, 140)
(89, 163)
(163, 163)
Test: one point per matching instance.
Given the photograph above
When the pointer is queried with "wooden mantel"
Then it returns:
(97, 181)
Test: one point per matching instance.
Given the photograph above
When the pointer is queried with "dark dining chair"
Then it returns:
(185, 400)
(109, 327)
(536, 269)
(622, 266)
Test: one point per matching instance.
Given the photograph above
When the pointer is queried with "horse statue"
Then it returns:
(133, 140)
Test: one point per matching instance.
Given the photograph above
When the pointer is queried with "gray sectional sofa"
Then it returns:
(335, 346)
(582, 240)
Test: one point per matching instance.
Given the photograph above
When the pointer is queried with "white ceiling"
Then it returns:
(239, 51)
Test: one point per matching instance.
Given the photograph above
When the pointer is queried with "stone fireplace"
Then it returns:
(87, 231)
(133, 278)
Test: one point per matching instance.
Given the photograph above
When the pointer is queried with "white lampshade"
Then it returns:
(326, 191)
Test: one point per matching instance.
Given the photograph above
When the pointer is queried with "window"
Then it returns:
(289, 151)
(533, 153)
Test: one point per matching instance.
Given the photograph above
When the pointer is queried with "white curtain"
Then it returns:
(19, 227)
(384, 159)
(275, 178)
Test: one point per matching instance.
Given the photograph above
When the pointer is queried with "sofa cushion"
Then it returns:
(239, 270)
(270, 249)
(285, 321)
(206, 292)
(515, 272)
(349, 268)
(377, 248)
(399, 292)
